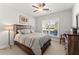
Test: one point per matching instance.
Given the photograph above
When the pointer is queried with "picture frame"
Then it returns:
(22, 19)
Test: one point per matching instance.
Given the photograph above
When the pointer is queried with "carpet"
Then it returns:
(54, 49)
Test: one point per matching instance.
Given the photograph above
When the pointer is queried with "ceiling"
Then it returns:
(54, 7)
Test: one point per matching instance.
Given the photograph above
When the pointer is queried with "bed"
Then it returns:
(34, 48)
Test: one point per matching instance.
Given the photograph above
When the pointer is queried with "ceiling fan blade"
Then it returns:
(39, 4)
(34, 6)
(43, 4)
(35, 10)
(45, 9)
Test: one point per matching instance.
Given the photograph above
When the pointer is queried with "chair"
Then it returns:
(64, 40)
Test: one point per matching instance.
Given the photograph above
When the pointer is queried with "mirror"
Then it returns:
(77, 24)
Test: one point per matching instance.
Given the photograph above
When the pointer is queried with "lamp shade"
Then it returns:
(8, 27)
(1, 27)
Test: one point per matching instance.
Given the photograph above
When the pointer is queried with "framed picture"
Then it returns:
(22, 19)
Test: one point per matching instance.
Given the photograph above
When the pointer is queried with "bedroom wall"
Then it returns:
(65, 20)
(9, 15)
(75, 11)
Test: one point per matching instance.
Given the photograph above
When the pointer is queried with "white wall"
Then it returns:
(75, 12)
(10, 15)
(65, 20)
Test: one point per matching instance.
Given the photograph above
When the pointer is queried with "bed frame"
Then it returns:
(25, 48)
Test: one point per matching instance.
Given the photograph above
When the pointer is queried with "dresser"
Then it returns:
(73, 44)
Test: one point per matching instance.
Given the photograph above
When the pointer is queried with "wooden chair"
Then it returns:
(64, 41)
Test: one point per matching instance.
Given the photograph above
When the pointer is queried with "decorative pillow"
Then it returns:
(27, 31)
(24, 31)
(32, 31)
(19, 32)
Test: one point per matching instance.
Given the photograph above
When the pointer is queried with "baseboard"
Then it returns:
(3, 47)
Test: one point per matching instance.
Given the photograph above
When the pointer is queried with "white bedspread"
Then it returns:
(33, 40)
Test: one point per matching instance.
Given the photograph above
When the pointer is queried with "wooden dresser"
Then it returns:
(73, 44)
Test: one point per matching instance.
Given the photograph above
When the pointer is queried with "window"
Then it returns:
(51, 27)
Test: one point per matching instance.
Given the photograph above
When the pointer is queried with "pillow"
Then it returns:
(32, 31)
(24, 31)
(19, 31)
(27, 31)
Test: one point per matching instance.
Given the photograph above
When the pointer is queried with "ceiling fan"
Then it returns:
(40, 7)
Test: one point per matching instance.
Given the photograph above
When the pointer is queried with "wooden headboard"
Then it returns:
(20, 27)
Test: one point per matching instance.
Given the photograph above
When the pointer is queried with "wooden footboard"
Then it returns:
(24, 48)
(29, 50)
(45, 46)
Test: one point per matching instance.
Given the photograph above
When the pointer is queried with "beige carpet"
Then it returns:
(54, 49)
